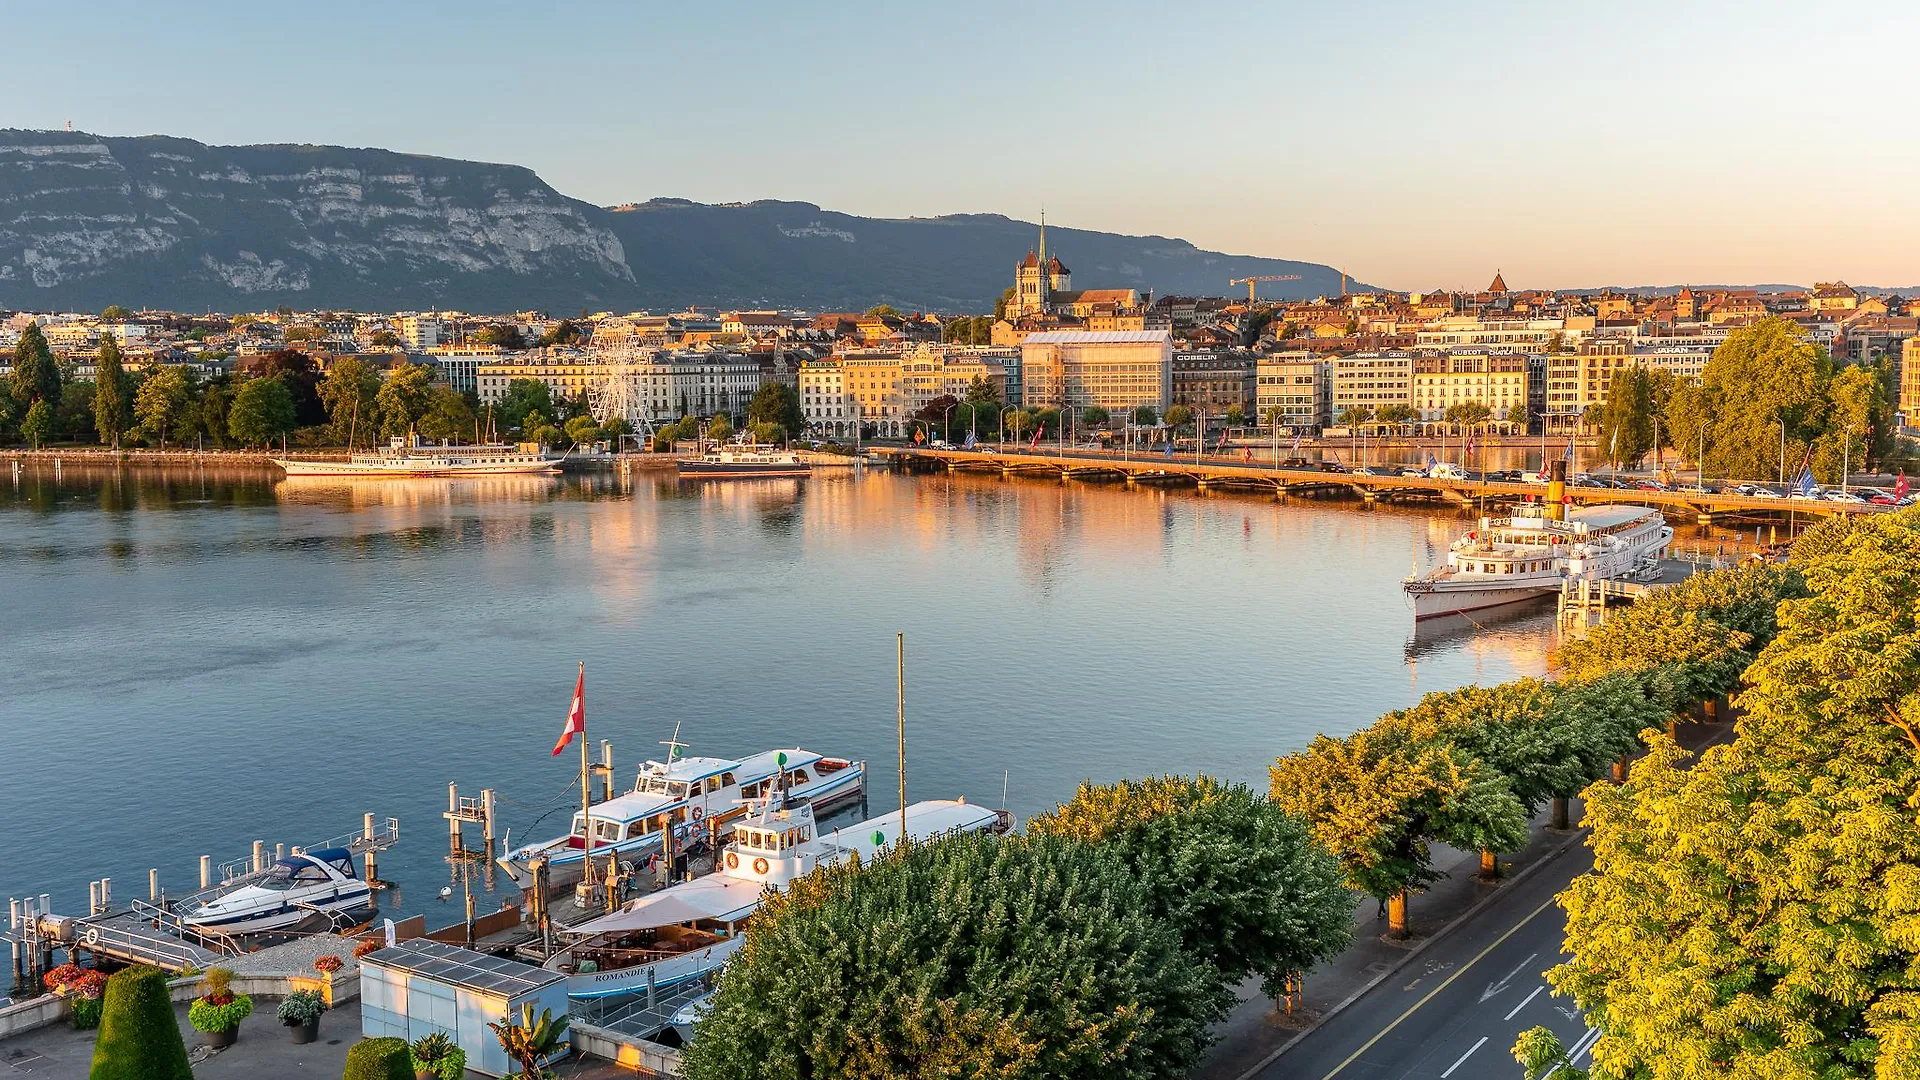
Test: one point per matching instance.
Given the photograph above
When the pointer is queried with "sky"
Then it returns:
(1418, 145)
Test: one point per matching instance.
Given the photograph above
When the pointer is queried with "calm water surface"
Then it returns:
(195, 659)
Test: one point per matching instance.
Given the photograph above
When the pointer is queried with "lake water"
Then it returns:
(198, 659)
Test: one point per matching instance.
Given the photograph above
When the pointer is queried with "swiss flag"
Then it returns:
(576, 713)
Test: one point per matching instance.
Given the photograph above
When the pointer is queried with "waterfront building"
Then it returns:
(661, 385)
(1298, 385)
(1213, 381)
(1535, 334)
(1909, 403)
(419, 332)
(1372, 380)
(823, 398)
(1496, 380)
(884, 388)
(460, 364)
(1118, 370)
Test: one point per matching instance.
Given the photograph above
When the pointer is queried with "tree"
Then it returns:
(115, 313)
(36, 377)
(1626, 429)
(1095, 416)
(1762, 377)
(1519, 414)
(983, 391)
(348, 393)
(530, 1042)
(884, 311)
(524, 397)
(1856, 407)
(448, 417)
(303, 333)
(385, 339)
(1000, 305)
(1040, 958)
(1179, 416)
(1751, 915)
(1246, 886)
(160, 405)
(1354, 416)
(1145, 416)
(73, 417)
(381, 1059)
(777, 403)
(1397, 414)
(1543, 1057)
(403, 398)
(301, 376)
(564, 333)
(720, 430)
(1236, 415)
(37, 425)
(503, 335)
(111, 408)
(582, 430)
(210, 416)
(937, 414)
(1378, 798)
(139, 1037)
(1468, 413)
(262, 411)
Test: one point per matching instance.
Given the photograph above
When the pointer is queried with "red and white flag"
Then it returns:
(576, 713)
(1037, 432)
(1900, 485)
(1469, 446)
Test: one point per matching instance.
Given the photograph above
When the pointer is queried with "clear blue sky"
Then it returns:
(1419, 144)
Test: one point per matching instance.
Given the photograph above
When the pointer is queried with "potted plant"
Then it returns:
(327, 965)
(82, 987)
(436, 1058)
(300, 1012)
(216, 1014)
(367, 946)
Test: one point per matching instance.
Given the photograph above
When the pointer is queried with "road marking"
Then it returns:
(1415, 1007)
(1501, 986)
(1585, 1044)
(1464, 1057)
(1523, 1003)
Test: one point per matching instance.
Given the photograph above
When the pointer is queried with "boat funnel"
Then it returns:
(1556, 490)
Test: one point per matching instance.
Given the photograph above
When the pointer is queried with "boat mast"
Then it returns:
(587, 882)
(900, 684)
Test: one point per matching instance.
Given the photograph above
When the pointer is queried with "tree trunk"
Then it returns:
(1559, 820)
(1620, 770)
(1489, 865)
(1712, 709)
(1397, 914)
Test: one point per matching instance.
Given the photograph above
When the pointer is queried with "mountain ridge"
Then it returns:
(169, 222)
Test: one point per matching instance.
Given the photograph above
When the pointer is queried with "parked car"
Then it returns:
(1836, 495)
(1361, 471)
(1413, 472)
(983, 449)
(1649, 485)
(1809, 495)
(939, 444)
(1760, 492)
(1446, 470)
(1883, 498)
(1334, 466)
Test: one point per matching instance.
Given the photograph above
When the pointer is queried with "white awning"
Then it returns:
(712, 897)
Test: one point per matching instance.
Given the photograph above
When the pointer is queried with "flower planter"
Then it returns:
(304, 1033)
(218, 1039)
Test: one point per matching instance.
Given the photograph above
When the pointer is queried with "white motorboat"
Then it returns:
(1513, 559)
(316, 885)
(696, 797)
(406, 457)
(687, 931)
(743, 459)
(688, 1015)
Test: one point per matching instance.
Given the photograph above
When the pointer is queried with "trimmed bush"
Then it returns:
(139, 1039)
(379, 1059)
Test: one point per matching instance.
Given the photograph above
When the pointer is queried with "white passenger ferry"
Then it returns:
(693, 795)
(743, 459)
(688, 931)
(405, 457)
(1508, 560)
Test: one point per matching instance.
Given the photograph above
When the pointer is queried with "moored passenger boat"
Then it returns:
(744, 460)
(405, 457)
(1513, 559)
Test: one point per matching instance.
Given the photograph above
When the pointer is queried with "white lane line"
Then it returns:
(1585, 1044)
(1464, 1057)
(1523, 1003)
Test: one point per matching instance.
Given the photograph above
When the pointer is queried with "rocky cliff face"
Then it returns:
(87, 221)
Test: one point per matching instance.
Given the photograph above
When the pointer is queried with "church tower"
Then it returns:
(1037, 278)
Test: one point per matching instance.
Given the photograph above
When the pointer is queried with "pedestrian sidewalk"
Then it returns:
(1254, 1032)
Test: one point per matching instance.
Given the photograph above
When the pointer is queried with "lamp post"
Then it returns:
(1782, 421)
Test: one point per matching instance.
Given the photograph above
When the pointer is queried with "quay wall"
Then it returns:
(638, 1055)
(48, 1009)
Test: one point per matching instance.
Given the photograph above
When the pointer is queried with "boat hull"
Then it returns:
(716, 470)
(284, 914)
(666, 974)
(352, 471)
(1438, 602)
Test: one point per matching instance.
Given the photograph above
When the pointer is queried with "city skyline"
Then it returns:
(1414, 147)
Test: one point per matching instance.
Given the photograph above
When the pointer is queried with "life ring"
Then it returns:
(698, 813)
(733, 860)
(759, 866)
(93, 935)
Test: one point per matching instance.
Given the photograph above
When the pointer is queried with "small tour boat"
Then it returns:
(688, 931)
(408, 457)
(695, 795)
(743, 460)
(1513, 559)
(318, 885)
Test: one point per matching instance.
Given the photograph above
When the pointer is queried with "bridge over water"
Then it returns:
(1209, 472)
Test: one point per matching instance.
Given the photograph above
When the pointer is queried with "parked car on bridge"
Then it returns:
(1836, 495)
(1649, 485)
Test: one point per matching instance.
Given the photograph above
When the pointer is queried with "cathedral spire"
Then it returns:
(1043, 257)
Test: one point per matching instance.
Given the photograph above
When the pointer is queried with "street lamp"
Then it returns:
(1782, 421)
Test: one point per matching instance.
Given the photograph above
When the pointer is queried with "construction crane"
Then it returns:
(1249, 282)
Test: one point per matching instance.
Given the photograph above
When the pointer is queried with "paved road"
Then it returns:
(1456, 1011)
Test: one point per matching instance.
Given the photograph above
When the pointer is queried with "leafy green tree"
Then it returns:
(73, 417)
(1627, 431)
(1247, 886)
(1145, 416)
(112, 408)
(210, 412)
(380, 1059)
(1468, 413)
(262, 411)
(766, 433)
(385, 339)
(1752, 915)
(139, 1037)
(524, 397)
(1000, 305)
(160, 405)
(115, 313)
(983, 391)
(403, 398)
(884, 311)
(1543, 1057)
(37, 425)
(1762, 377)
(36, 377)
(1040, 958)
(448, 417)
(300, 374)
(564, 333)
(582, 430)
(1018, 422)
(1397, 414)
(349, 392)
(529, 1042)
(1237, 415)
(1378, 798)
(1519, 414)
(1095, 416)
(1179, 416)
(720, 430)
(1354, 416)
(504, 335)
(1856, 406)
(777, 403)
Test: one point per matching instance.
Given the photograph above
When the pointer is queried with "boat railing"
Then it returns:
(612, 957)
(172, 925)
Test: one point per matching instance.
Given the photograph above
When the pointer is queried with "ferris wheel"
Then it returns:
(614, 395)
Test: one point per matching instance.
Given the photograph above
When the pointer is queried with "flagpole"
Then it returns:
(586, 802)
(900, 684)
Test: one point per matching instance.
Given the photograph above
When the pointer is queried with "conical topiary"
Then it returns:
(139, 1037)
(379, 1059)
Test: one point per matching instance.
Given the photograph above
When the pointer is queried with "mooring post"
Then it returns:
(606, 763)
(93, 898)
(486, 818)
(259, 855)
(153, 885)
(453, 818)
(366, 832)
(206, 871)
(106, 894)
(279, 852)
